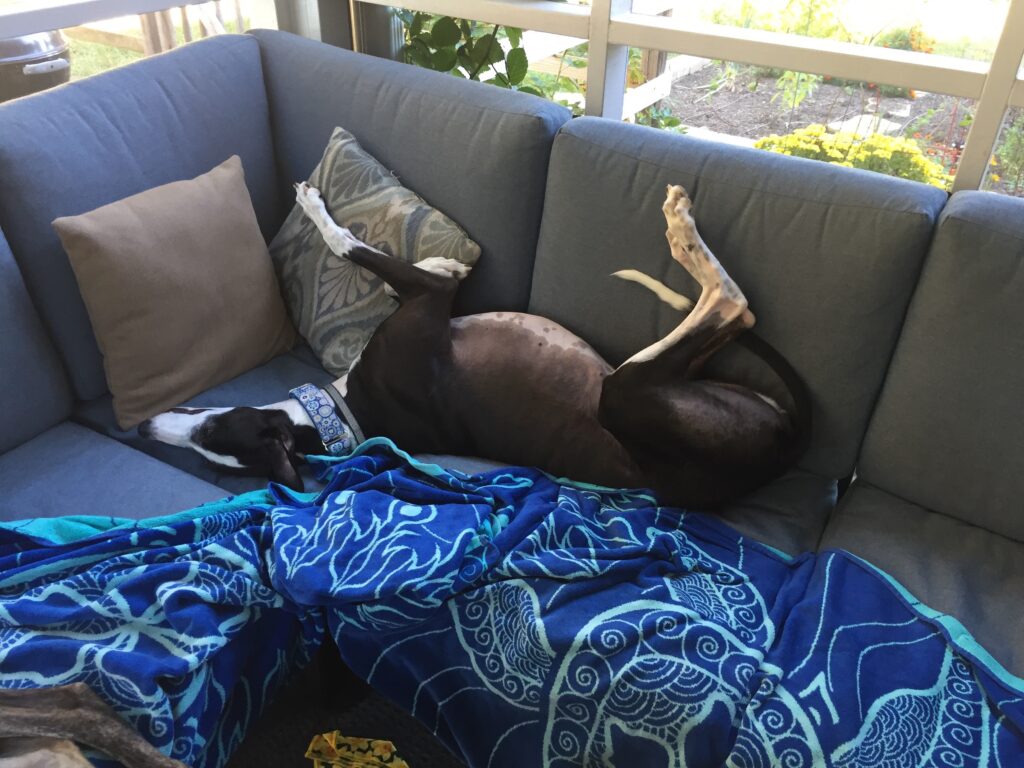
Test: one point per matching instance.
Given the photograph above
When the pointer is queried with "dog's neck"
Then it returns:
(329, 414)
(295, 411)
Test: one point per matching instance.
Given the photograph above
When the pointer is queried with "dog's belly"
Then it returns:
(528, 390)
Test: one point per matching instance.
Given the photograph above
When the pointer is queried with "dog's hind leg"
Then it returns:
(703, 441)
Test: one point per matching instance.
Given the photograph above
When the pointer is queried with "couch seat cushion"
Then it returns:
(969, 573)
(71, 470)
(267, 384)
(789, 513)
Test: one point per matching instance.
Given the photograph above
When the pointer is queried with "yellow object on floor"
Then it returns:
(332, 750)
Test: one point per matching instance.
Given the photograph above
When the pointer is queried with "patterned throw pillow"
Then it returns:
(335, 304)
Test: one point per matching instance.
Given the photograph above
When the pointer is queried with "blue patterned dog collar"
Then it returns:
(335, 434)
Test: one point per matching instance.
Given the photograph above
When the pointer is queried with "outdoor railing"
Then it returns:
(611, 27)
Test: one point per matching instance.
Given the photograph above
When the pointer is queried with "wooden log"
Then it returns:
(41, 752)
(75, 713)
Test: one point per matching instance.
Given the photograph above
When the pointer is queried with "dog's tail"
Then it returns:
(658, 288)
(793, 382)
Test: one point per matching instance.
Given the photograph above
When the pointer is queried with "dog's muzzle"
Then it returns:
(339, 435)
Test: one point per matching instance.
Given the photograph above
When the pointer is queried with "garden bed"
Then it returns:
(748, 102)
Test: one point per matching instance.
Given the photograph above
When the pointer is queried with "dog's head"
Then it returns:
(269, 441)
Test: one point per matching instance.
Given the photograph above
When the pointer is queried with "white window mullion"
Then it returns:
(606, 63)
(995, 96)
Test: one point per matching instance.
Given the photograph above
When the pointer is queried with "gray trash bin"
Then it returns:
(33, 63)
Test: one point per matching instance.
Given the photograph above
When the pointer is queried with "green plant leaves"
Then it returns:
(516, 65)
(444, 59)
(470, 50)
(417, 52)
(487, 50)
(445, 32)
(416, 25)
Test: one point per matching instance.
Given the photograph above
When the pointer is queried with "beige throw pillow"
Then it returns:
(180, 290)
(335, 304)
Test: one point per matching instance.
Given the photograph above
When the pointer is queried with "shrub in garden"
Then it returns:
(1010, 156)
(891, 155)
(903, 39)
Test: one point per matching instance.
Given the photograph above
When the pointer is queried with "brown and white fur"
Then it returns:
(523, 390)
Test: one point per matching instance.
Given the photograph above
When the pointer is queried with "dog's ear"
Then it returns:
(280, 449)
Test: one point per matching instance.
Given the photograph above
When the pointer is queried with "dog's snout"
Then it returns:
(146, 428)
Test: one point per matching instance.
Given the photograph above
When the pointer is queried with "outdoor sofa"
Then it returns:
(901, 307)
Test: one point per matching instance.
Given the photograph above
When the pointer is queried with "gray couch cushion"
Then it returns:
(949, 430)
(789, 513)
(33, 389)
(267, 384)
(75, 148)
(476, 152)
(71, 470)
(827, 256)
(975, 576)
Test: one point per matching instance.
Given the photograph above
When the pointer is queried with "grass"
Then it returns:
(91, 58)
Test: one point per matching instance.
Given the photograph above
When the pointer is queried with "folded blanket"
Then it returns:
(526, 620)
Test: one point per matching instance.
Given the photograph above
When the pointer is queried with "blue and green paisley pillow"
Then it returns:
(335, 304)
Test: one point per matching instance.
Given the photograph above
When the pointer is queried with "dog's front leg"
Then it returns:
(340, 240)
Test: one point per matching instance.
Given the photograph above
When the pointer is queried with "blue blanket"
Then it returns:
(525, 620)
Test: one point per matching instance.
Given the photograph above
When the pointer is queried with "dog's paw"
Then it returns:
(308, 198)
(445, 267)
(677, 203)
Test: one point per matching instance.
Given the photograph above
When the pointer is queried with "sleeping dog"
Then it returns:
(523, 390)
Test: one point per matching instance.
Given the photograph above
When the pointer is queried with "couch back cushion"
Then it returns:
(475, 152)
(73, 149)
(948, 433)
(827, 256)
(34, 392)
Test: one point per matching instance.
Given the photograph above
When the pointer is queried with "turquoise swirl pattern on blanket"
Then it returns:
(526, 621)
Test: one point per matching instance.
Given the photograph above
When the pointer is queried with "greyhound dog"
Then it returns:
(523, 390)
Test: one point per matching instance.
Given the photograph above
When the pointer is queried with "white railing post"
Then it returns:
(606, 63)
(995, 97)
